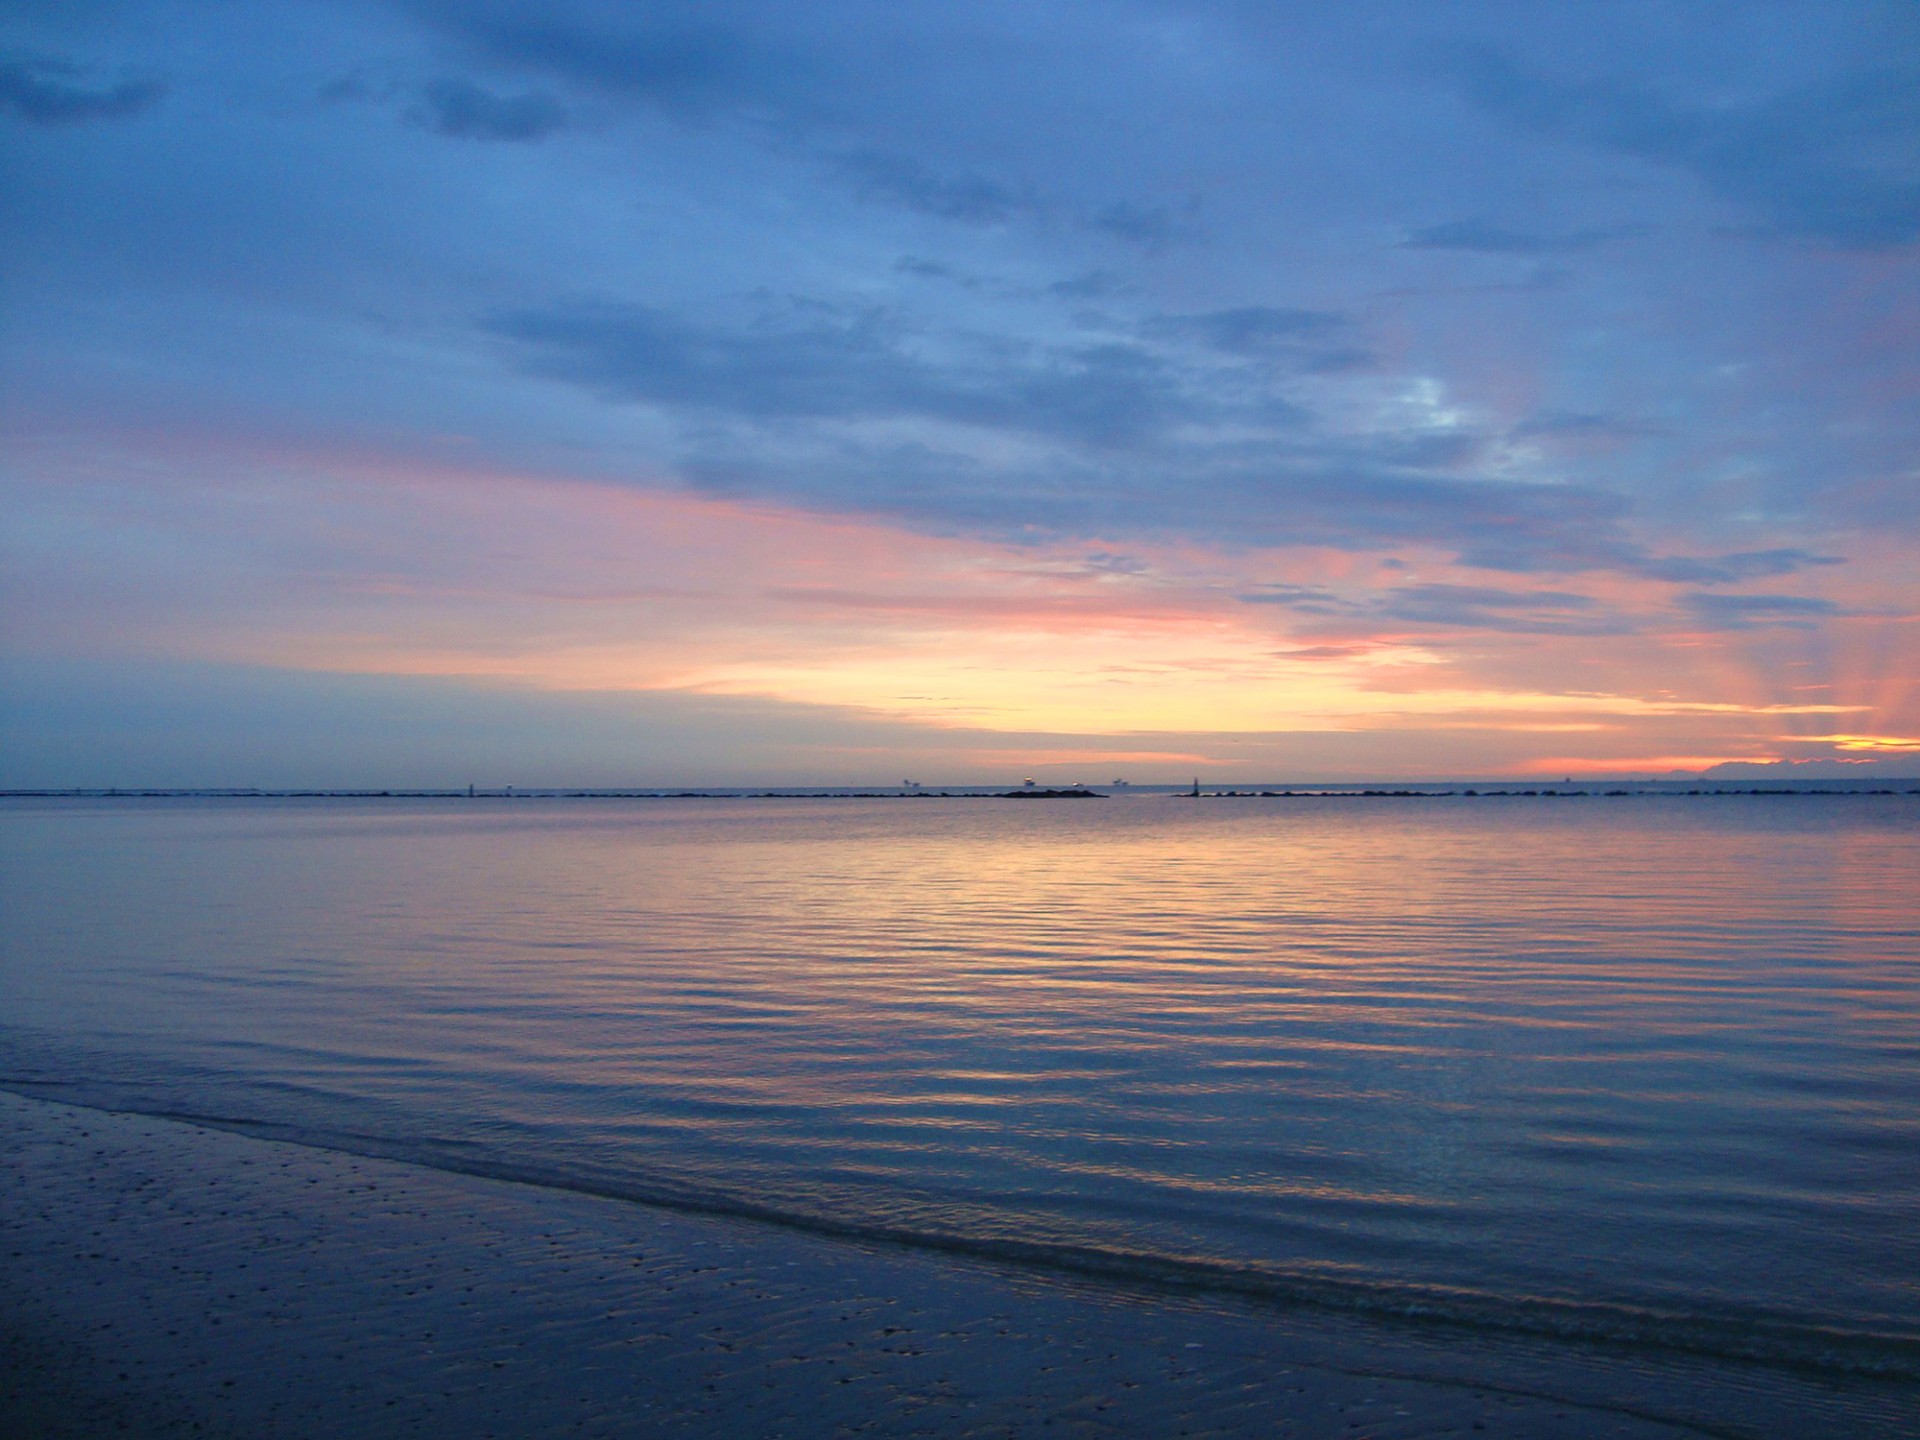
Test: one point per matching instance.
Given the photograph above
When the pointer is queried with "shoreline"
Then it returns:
(172, 1279)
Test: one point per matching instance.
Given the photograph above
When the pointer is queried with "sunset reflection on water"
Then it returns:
(1650, 1053)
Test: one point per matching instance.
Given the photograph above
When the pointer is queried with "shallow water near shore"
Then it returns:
(1636, 1074)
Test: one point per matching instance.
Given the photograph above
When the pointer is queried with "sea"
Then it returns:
(1627, 1079)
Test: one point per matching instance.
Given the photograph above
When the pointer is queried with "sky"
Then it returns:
(605, 393)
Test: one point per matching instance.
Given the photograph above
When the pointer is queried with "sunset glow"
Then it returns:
(978, 457)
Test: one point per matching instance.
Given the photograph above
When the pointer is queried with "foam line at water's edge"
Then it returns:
(1760, 1340)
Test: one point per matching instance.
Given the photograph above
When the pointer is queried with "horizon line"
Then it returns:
(1465, 787)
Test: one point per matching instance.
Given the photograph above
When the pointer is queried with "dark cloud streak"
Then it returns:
(1836, 161)
(1754, 612)
(50, 92)
(1250, 329)
(972, 199)
(1476, 236)
(1455, 607)
(463, 110)
(791, 78)
(823, 363)
(674, 56)
(1733, 569)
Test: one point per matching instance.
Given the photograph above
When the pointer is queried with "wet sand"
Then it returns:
(164, 1279)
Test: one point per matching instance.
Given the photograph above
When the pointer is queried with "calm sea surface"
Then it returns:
(1639, 1071)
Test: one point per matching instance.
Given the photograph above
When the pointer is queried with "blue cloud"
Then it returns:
(1149, 224)
(1477, 236)
(1251, 329)
(1752, 612)
(467, 111)
(1456, 607)
(1580, 424)
(1085, 437)
(51, 92)
(972, 198)
(824, 362)
(1479, 607)
(1837, 160)
(809, 81)
(1735, 568)
(683, 57)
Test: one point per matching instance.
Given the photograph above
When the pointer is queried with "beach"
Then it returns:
(170, 1279)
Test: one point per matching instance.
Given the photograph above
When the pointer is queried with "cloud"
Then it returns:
(49, 92)
(972, 198)
(1326, 652)
(1106, 562)
(1733, 569)
(1834, 764)
(1083, 437)
(1250, 329)
(823, 362)
(1535, 612)
(801, 82)
(1093, 285)
(1836, 161)
(1479, 607)
(464, 110)
(1607, 549)
(1165, 431)
(677, 57)
(1578, 424)
(1753, 612)
(1476, 236)
(1462, 607)
(1308, 599)
(902, 180)
(1152, 225)
(1281, 490)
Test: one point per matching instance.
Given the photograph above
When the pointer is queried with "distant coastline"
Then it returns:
(1439, 790)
